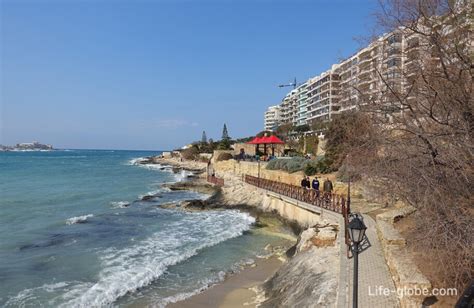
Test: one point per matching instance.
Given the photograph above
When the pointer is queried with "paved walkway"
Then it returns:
(373, 270)
(373, 273)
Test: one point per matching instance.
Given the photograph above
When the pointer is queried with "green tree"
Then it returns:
(224, 144)
(225, 133)
(345, 133)
(302, 128)
(284, 130)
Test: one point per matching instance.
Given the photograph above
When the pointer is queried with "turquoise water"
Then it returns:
(74, 233)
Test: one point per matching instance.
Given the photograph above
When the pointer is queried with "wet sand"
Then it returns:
(236, 290)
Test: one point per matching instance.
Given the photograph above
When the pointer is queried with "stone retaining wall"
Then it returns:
(252, 168)
(405, 273)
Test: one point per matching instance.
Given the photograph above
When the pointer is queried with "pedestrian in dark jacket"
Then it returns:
(327, 186)
(308, 183)
(315, 184)
(303, 182)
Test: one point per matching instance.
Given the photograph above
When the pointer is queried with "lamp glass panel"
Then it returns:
(361, 234)
(355, 235)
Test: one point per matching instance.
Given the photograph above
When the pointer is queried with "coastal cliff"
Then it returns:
(309, 274)
(310, 277)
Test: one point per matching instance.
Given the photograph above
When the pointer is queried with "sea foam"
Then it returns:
(78, 219)
(126, 270)
(119, 204)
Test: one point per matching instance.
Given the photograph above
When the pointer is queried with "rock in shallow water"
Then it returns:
(150, 197)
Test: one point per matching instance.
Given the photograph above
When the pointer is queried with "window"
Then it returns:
(393, 62)
(396, 38)
(393, 51)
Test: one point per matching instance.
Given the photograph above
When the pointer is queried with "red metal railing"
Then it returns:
(333, 202)
(215, 180)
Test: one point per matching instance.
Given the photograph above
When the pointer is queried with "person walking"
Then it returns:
(315, 185)
(303, 182)
(327, 186)
(308, 183)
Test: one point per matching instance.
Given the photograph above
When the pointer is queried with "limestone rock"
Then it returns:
(396, 214)
(406, 274)
(150, 197)
(388, 234)
(193, 204)
(304, 240)
(309, 279)
(325, 237)
(169, 205)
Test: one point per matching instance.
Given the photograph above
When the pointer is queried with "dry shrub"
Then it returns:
(224, 156)
(190, 153)
(422, 151)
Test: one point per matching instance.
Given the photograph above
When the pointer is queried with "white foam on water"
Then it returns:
(119, 204)
(178, 176)
(155, 167)
(135, 161)
(32, 297)
(78, 219)
(206, 284)
(129, 269)
(183, 174)
(155, 192)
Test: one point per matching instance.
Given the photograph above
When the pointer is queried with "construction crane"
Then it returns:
(293, 84)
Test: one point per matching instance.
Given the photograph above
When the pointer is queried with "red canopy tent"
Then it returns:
(266, 140)
(272, 140)
(255, 140)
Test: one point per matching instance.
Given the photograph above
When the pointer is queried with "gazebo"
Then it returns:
(265, 140)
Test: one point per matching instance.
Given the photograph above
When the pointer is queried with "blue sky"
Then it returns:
(155, 74)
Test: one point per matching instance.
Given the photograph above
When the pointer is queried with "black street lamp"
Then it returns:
(356, 232)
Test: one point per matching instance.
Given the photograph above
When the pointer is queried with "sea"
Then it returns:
(74, 232)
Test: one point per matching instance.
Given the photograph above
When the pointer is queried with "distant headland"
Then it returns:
(27, 146)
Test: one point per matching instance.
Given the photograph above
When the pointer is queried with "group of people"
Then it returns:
(242, 156)
(314, 184)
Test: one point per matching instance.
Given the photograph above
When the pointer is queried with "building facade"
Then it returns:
(363, 78)
(302, 95)
(272, 118)
(289, 108)
(323, 96)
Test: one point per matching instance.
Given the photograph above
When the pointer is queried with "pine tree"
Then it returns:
(225, 133)
(224, 144)
(204, 137)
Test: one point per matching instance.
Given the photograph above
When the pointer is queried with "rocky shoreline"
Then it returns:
(175, 163)
(308, 273)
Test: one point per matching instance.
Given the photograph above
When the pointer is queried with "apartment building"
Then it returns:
(363, 78)
(372, 72)
(380, 75)
(272, 118)
(323, 95)
(289, 108)
(302, 95)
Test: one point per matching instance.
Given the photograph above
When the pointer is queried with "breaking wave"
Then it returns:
(119, 204)
(78, 219)
(129, 269)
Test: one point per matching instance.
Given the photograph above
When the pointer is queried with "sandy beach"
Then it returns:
(238, 290)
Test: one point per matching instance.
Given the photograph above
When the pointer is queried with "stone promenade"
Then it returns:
(373, 273)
